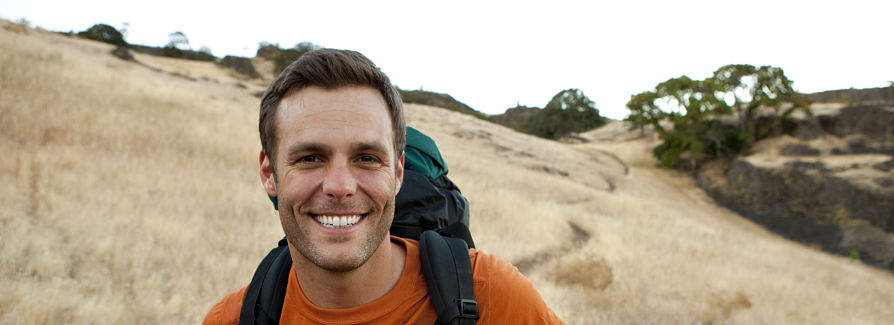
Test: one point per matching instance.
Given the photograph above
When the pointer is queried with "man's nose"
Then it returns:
(340, 182)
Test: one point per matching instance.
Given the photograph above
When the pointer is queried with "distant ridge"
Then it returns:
(516, 117)
(866, 96)
(429, 98)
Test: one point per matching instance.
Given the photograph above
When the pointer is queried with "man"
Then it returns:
(332, 135)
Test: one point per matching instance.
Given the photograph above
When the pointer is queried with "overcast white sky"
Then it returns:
(494, 54)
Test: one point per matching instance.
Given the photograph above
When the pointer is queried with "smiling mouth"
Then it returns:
(338, 221)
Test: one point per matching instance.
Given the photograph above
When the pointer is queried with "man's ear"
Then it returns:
(399, 172)
(267, 177)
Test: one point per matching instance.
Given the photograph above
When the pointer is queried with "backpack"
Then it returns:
(429, 208)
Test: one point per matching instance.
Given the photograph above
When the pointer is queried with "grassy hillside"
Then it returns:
(129, 193)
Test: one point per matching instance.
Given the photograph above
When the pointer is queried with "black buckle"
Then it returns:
(468, 308)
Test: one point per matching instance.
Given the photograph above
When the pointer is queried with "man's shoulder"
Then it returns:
(505, 295)
(226, 311)
(501, 290)
(495, 272)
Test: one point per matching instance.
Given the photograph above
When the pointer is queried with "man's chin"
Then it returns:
(341, 266)
(342, 253)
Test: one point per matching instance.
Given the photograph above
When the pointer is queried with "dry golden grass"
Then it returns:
(672, 254)
(128, 195)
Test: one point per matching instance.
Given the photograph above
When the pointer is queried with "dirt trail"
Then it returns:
(579, 237)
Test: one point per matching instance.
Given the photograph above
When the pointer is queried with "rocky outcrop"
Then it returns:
(241, 65)
(871, 124)
(835, 188)
(516, 117)
(829, 184)
(123, 53)
(878, 248)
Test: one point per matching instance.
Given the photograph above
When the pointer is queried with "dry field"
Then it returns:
(129, 194)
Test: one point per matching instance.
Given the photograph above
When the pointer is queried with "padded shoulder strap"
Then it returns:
(264, 298)
(458, 231)
(448, 273)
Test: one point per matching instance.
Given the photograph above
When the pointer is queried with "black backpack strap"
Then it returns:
(448, 273)
(406, 230)
(458, 230)
(264, 297)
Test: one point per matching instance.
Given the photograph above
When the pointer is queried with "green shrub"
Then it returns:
(684, 138)
(282, 59)
(104, 33)
(202, 56)
(722, 139)
(569, 111)
(171, 52)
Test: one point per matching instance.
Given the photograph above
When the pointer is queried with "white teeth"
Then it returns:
(338, 221)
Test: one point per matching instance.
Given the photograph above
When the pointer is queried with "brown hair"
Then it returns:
(329, 69)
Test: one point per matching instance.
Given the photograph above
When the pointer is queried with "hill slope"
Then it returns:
(130, 193)
(870, 96)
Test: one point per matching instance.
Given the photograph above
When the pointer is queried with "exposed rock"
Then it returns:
(123, 53)
(799, 150)
(885, 166)
(241, 65)
(835, 190)
(814, 189)
(875, 122)
(805, 129)
(873, 245)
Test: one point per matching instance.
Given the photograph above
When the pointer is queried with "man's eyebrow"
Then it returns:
(319, 147)
(305, 147)
(367, 146)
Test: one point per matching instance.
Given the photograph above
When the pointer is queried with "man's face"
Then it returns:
(336, 174)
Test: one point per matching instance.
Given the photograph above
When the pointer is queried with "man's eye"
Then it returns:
(307, 160)
(368, 159)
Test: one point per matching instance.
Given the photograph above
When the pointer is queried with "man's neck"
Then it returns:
(372, 280)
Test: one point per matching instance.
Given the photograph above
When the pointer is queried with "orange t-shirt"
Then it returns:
(503, 294)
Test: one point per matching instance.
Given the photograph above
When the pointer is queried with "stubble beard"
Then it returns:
(300, 238)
